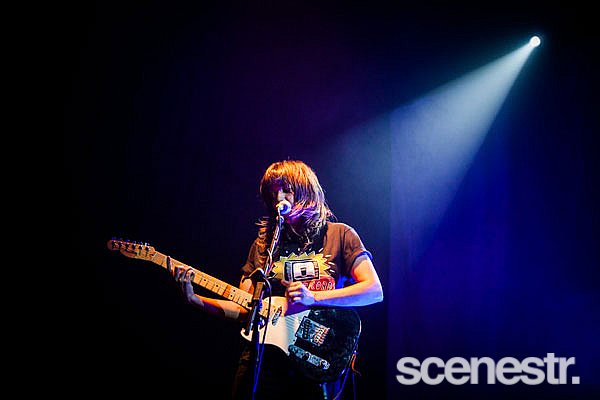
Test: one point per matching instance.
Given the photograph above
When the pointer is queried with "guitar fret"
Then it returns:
(239, 298)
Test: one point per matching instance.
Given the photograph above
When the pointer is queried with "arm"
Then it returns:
(367, 289)
(221, 308)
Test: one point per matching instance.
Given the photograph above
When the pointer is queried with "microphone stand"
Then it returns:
(259, 279)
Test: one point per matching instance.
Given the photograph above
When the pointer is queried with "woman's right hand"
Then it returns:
(184, 276)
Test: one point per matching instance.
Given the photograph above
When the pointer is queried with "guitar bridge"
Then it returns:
(312, 331)
(308, 357)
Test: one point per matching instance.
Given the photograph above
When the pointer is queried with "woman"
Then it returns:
(316, 263)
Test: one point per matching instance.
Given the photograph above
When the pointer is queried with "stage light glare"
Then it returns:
(535, 41)
(435, 139)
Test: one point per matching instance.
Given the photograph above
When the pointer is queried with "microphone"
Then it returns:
(283, 207)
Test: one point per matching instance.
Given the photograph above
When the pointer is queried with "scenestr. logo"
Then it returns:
(506, 371)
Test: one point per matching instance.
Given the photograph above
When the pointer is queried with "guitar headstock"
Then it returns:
(132, 249)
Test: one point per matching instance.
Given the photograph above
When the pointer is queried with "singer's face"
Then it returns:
(282, 193)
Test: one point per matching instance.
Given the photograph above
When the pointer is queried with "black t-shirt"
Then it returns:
(324, 264)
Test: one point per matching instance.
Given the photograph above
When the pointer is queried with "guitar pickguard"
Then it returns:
(319, 341)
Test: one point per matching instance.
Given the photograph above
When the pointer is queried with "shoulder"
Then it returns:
(339, 228)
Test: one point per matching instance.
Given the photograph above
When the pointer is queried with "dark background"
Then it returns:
(173, 110)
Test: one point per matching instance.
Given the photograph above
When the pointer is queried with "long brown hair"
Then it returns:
(310, 206)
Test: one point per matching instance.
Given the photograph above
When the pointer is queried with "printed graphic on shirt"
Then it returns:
(314, 270)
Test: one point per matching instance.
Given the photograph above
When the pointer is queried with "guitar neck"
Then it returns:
(206, 281)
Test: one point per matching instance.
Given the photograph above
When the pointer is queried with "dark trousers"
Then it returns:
(278, 379)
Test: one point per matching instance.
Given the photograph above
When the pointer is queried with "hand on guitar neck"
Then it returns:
(221, 308)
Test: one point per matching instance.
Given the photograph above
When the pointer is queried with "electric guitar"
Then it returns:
(320, 341)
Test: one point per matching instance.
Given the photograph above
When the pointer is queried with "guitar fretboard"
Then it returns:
(206, 281)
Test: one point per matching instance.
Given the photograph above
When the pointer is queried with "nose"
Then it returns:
(280, 195)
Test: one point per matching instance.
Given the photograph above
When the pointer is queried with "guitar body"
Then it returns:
(320, 341)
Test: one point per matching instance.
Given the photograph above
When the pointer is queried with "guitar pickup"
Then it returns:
(312, 331)
(309, 357)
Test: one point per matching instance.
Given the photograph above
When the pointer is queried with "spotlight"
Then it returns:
(534, 41)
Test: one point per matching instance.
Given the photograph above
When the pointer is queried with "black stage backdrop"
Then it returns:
(172, 111)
